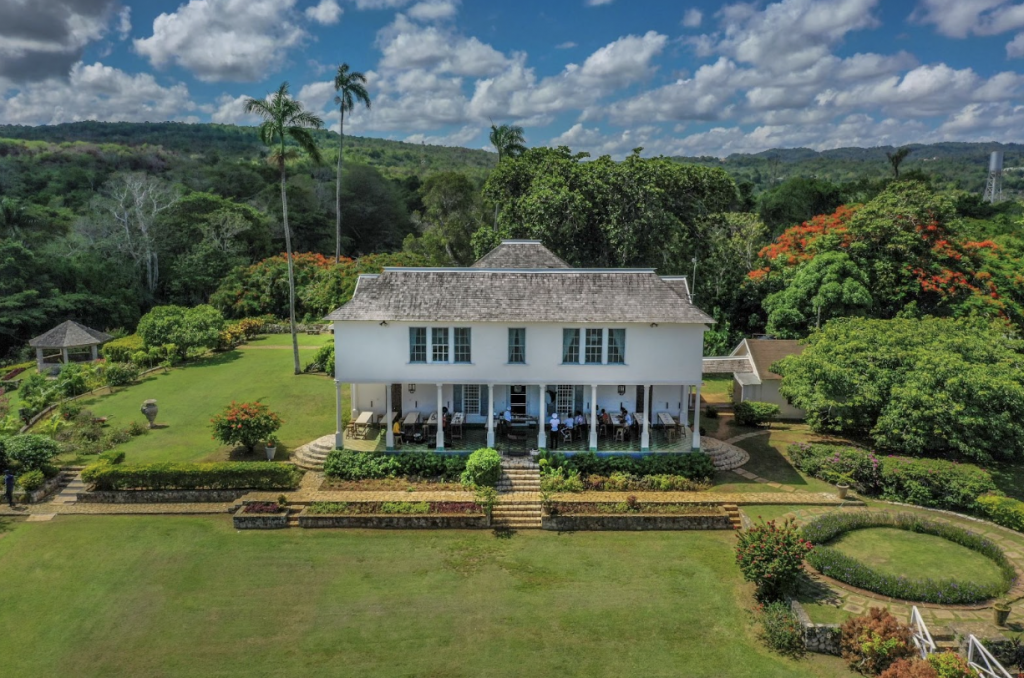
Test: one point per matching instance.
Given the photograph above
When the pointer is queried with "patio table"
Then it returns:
(363, 423)
(666, 419)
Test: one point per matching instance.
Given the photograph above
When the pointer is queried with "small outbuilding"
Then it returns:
(759, 383)
(68, 342)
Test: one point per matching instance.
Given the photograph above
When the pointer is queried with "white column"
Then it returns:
(440, 420)
(490, 415)
(542, 436)
(339, 439)
(354, 396)
(39, 359)
(696, 420)
(645, 436)
(95, 352)
(593, 417)
(684, 406)
(64, 355)
(389, 434)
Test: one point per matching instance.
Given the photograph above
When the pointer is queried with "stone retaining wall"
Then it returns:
(819, 638)
(35, 496)
(401, 522)
(260, 521)
(160, 496)
(563, 523)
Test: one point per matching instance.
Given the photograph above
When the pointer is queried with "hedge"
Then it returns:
(833, 563)
(483, 468)
(691, 465)
(933, 483)
(349, 465)
(121, 350)
(1002, 511)
(754, 413)
(212, 476)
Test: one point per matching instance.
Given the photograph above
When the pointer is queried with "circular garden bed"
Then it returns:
(901, 566)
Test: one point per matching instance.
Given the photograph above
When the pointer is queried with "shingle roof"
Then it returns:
(520, 254)
(69, 334)
(764, 352)
(542, 295)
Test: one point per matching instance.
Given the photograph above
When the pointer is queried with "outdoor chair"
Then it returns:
(566, 435)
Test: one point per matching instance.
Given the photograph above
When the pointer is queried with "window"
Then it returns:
(616, 347)
(517, 345)
(471, 399)
(463, 340)
(593, 348)
(417, 344)
(565, 399)
(439, 336)
(570, 346)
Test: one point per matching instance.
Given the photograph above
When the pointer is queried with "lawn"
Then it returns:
(306, 341)
(186, 596)
(899, 552)
(768, 460)
(189, 396)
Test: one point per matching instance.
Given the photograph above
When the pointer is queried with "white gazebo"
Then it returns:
(67, 342)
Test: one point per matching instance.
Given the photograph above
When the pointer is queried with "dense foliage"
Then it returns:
(934, 483)
(870, 644)
(349, 465)
(754, 413)
(697, 467)
(188, 329)
(935, 387)
(1002, 511)
(779, 628)
(771, 556)
(483, 468)
(30, 452)
(394, 507)
(211, 476)
(245, 424)
(836, 564)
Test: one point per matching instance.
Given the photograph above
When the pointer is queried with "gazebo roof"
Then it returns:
(69, 334)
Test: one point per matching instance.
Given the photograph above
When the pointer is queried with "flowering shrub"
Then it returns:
(245, 424)
(780, 629)
(772, 557)
(934, 483)
(394, 507)
(30, 452)
(838, 565)
(870, 644)
(584, 508)
(262, 507)
(910, 668)
(483, 468)
(950, 665)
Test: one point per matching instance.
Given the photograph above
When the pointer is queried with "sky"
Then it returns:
(603, 76)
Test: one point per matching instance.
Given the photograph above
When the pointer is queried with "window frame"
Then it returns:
(415, 348)
(620, 350)
(462, 351)
(521, 348)
(573, 345)
(439, 347)
(588, 347)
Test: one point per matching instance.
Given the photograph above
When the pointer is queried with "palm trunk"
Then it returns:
(341, 150)
(291, 268)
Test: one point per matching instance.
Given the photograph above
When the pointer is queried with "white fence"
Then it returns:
(982, 661)
(922, 638)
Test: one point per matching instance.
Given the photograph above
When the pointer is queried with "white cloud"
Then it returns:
(598, 3)
(566, 45)
(460, 137)
(124, 22)
(1015, 48)
(96, 92)
(240, 40)
(692, 17)
(327, 12)
(380, 4)
(960, 18)
(231, 111)
(433, 10)
(593, 141)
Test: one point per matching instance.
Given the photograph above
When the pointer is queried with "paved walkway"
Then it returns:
(69, 495)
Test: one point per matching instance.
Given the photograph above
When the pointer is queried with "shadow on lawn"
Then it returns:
(768, 462)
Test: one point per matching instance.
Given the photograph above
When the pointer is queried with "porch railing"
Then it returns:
(982, 661)
(922, 638)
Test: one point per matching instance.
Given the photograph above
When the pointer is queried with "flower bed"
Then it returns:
(833, 563)
(394, 508)
(391, 485)
(261, 515)
(570, 516)
(577, 508)
(391, 515)
(13, 373)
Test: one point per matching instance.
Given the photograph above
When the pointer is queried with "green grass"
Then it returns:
(769, 511)
(187, 596)
(189, 396)
(899, 552)
(285, 341)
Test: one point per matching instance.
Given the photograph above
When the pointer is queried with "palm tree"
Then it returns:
(285, 120)
(508, 141)
(349, 86)
(895, 159)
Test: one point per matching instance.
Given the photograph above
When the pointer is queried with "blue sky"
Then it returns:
(604, 76)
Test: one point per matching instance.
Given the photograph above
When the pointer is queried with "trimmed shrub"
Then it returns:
(112, 456)
(870, 644)
(910, 668)
(771, 556)
(30, 452)
(211, 476)
(349, 465)
(121, 350)
(120, 374)
(394, 507)
(754, 413)
(483, 468)
(780, 629)
(694, 466)
(833, 563)
(323, 360)
(950, 665)
(1002, 511)
(31, 481)
(934, 483)
(245, 424)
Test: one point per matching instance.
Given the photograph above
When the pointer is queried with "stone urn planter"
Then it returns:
(271, 449)
(149, 409)
(1001, 612)
(841, 490)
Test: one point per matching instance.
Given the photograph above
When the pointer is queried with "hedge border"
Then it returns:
(848, 570)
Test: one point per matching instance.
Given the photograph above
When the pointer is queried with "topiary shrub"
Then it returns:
(31, 452)
(910, 668)
(754, 413)
(771, 556)
(870, 644)
(245, 424)
(1002, 511)
(483, 468)
(780, 629)
(121, 350)
(31, 480)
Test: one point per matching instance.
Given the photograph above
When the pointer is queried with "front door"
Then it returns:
(517, 400)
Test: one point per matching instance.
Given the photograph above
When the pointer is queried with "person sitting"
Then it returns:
(555, 424)
(627, 421)
(581, 425)
(397, 430)
(605, 420)
(567, 425)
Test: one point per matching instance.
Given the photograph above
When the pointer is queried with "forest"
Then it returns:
(100, 222)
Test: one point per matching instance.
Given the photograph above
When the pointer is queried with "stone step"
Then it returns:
(519, 525)
(521, 510)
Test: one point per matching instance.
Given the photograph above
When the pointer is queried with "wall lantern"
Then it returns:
(383, 323)
(622, 390)
(412, 388)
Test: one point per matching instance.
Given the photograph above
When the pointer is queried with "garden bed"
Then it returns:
(573, 516)
(37, 495)
(261, 516)
(389, 485)
(390, 515)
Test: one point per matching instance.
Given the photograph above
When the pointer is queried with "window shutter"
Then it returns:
(484, 403)
(457, 397)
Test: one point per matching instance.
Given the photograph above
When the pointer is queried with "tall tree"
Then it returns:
(897, 158)
(508, 141)
(284, 120)
(351, 89)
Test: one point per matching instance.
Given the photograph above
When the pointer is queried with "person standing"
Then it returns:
(9, 487)
(553, 442)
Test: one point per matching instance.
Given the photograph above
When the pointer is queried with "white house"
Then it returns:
(521, 331)
(760, 383)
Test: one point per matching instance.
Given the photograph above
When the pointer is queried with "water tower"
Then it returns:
(994, 187)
